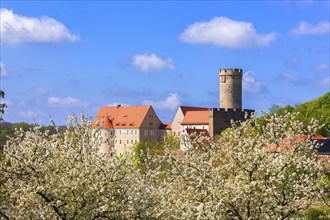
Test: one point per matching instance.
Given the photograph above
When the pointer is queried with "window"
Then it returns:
(135, 132)
(145, 132)
(111, 132)
(178, 132)
(174, 133)
(120, 132)
(131, 132)
(127, 132)
(131, 141)
(157, 133)
(151, 133)
(119, 141)
(223, 79)
(127, 142)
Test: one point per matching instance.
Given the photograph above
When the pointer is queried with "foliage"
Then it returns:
(2, 105)
(64, 176)
(318, 109)
(141, 151)
(316, 213)
(8, 129)
(245, 174)
(171, 142)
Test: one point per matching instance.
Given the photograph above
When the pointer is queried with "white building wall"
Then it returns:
(176, 124)
(184, 127)
(125, 138)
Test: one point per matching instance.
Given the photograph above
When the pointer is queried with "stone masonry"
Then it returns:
(220, 118)
(231, 88)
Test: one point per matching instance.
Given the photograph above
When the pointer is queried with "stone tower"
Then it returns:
(231, 88)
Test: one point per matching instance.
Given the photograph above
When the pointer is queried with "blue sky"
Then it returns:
(65, 57)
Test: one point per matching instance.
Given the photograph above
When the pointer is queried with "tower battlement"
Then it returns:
(229, 110)
(230, 71)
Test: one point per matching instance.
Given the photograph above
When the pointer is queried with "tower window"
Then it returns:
(223, 79)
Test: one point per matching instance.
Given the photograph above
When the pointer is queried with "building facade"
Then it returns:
(212, 121)
(123, 126)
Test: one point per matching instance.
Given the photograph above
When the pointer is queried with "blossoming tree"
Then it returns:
(250, 172)
(64, 176)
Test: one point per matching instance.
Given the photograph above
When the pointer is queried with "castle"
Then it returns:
(126, 125)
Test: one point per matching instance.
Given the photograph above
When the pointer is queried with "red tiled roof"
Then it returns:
(319, 137)
(104, 122)
(185, 109)
(122, 116)
(198, 131)
(293, 142)
(166, 126)
(196, 118)
(164, 152)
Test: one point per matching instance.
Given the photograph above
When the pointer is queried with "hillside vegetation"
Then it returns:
(318, 109)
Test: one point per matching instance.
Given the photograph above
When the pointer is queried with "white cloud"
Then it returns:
(20, 29)
(292, 62)
(287, 77)
(224, 32)
(41, 89)
(305, 28)
(250, 83)
(28, 114)
(3, 71)
(170, 103)
(68, 102)
(290, 78)
(117, 103)
(151, 62)
(323, 81)
(322, 67)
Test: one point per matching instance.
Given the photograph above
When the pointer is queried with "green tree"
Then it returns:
(274, 108)
(2, 105)
(171, 142)
(141, 151)
(315, 109)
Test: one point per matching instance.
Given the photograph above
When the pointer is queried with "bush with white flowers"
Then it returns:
(250, 172)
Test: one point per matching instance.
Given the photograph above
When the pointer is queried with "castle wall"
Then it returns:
(220, 118)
